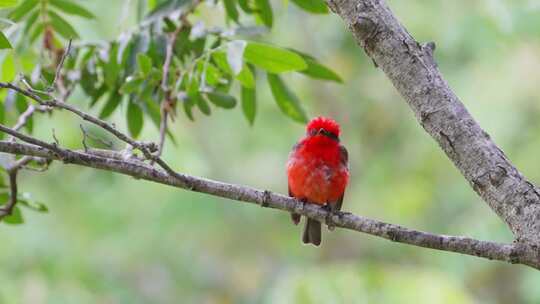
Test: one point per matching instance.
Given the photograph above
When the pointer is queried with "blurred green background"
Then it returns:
(113, 239)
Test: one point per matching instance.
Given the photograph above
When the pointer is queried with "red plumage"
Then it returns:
(318, 172)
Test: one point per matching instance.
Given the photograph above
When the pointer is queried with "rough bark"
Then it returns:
(411, 68)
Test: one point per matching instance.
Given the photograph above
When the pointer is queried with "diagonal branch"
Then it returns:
(12, 202)
(26, 115)
(512, 253)
(413, 71)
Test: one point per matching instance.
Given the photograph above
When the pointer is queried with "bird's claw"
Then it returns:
(329, 217)
(295, 216)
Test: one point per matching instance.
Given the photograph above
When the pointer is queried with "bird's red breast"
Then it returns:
(317, 168)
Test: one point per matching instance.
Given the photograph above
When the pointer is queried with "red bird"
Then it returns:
(318, 172)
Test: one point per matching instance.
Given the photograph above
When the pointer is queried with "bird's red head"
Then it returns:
(323, 126)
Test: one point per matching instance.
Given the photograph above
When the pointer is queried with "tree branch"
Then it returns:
(12, 202)
(512, 253)
(413, 71)
(168, 104)
(26, 115)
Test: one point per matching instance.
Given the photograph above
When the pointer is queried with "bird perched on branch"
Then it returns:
(318, 172)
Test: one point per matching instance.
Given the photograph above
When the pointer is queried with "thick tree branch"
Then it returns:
(413, 71)
(512, 253)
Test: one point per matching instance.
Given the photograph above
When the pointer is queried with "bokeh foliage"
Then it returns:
(112, 239)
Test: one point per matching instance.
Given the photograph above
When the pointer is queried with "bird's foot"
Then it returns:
(295, 216)
(329, 216)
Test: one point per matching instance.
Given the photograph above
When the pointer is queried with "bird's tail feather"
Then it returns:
(312, 232)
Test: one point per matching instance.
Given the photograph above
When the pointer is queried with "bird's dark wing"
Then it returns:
(294, 216)
(337, 205)
(344, 159)
(344, 155)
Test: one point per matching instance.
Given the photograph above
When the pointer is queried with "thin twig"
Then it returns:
(31, 140)
(162, 128)
(168, 102)
(58, 73)
(146, 148)
(21, 163)
(167, 106)
(56, 141)
(12, 201)
(24, 118)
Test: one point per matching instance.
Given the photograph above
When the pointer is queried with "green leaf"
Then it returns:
(166, 8)
(145, 63)
(72, 8)
(249, 104)
(111, 67)
(38, 30)
(319, 71)
(96, 96)
(22, 10)
(20, 103)
(222, 100)
(63, 27)
(273, 59)
(245, 76)
(155, 76)
(135, 119)
(230, 8)
(286, 100)
(15, 218)
(139, 43)
(312, 6)
(244, 5)
(212, 75)
(187, 105)
(202, 104)
(169, 26)
(7, 69)
(26, 200)
(88, 81)
(4, 42)
(131, 85)
(264, 10)
(31, 21)
(7, 3)
(112, 103)
(151, 108)
(157, 49)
